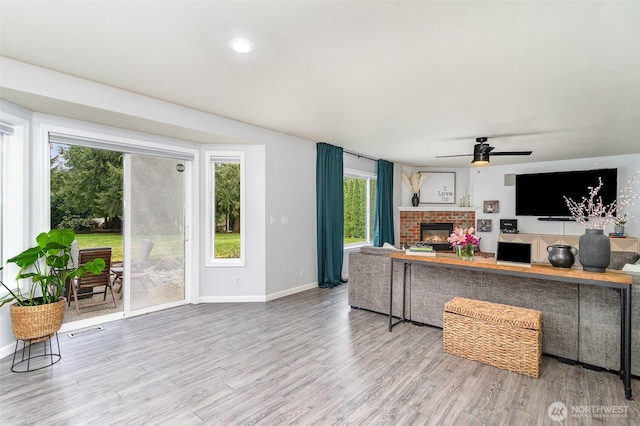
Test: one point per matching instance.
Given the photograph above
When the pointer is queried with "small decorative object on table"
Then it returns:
(463, 242)
(594, 215)
(562, 256)
(421, 250)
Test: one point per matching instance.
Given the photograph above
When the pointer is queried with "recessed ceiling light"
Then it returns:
(240, 45)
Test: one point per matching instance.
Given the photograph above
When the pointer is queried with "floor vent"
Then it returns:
(80, 333)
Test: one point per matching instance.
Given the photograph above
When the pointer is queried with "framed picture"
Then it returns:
(483, 225)
(438, 188)
(491, 206)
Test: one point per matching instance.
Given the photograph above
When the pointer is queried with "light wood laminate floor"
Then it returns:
(306, 359)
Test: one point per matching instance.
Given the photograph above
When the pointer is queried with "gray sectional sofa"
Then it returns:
(580, 322)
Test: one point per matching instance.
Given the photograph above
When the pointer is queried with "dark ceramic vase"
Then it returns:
(562, 256)
(595, 250)
(415, 200)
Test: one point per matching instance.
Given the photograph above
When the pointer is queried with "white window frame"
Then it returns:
(13, 204)
(210, 158)
(359, 174)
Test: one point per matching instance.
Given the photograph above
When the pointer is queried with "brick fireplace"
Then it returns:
(410, 221)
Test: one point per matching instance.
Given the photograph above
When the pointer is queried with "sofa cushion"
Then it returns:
(621, 258)
(377, 251)
(629, 267)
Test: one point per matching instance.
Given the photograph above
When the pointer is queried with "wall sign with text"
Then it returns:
(438, 188)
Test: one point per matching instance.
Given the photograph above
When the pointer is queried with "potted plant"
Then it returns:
(594, 215)
(37, 314)
(618, 226)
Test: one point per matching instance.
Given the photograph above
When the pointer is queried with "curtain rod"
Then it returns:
(359, 155)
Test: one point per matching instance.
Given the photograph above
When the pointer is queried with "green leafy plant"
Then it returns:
(49, 266)
(621, 220)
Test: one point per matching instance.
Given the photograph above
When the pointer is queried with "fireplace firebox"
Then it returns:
(436, 234)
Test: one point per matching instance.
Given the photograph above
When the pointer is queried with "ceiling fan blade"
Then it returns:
(512, 153)
(502, 135)
(458, 155)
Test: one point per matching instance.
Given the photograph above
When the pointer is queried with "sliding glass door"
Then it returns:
(133, 198)
(155, 256)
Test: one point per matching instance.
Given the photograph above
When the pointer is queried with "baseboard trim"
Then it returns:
(290, 291)
(230, 299)
(7, 349)
(257, 298)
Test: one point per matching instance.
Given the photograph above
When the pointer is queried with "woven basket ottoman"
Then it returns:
(504, 336)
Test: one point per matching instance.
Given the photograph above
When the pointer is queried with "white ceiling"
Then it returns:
(405, 81)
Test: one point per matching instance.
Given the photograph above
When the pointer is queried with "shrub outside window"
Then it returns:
(359, 207)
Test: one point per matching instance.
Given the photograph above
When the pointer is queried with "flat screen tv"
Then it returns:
(542, 194)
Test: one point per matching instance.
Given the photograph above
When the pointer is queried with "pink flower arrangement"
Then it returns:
(463, 237)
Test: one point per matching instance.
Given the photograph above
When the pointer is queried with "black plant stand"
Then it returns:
(37, 358)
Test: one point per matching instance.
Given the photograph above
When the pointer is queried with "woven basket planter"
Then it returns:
(37, 323)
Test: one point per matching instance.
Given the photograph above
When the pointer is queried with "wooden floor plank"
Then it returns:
(306, 359)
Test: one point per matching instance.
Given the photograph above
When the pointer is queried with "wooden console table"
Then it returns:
(611, 278)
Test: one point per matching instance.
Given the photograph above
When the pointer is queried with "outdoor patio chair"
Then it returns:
(138, 265)
(96, 283)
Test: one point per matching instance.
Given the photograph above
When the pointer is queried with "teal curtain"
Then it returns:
(383, 216)
(330, 214)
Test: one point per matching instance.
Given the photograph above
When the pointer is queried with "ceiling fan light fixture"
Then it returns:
(480, 158)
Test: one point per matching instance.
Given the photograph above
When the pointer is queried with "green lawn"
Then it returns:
(227, 245)
(102, 240)
(164, 245)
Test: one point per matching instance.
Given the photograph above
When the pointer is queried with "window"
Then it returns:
(13, 137)
(226, 220)
(359, 207)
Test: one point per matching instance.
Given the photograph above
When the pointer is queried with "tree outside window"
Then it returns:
(359, 205)
(86, 185)
(226, 187)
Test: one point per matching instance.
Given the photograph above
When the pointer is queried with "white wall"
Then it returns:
(488, 184)
(291, 194)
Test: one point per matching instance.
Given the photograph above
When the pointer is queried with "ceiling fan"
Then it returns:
(482, 151)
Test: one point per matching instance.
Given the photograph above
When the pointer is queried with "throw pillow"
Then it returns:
(635, 268)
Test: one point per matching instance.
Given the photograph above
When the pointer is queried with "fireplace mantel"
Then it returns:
(438, 208)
